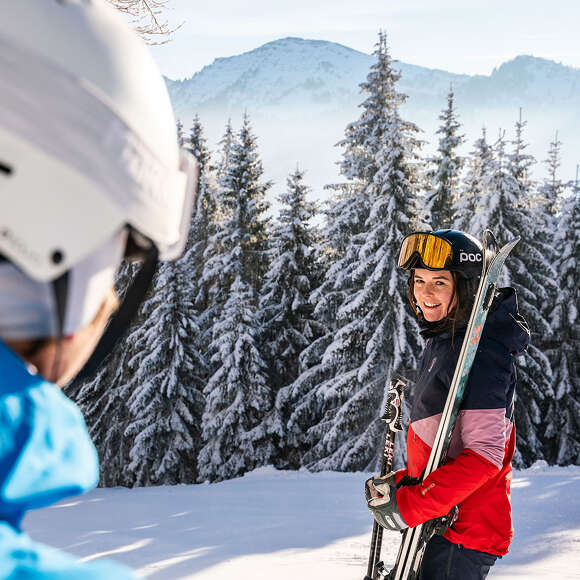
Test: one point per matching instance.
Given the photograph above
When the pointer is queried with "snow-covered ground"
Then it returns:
(290, 525)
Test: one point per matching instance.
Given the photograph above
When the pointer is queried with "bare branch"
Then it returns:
(146, 18)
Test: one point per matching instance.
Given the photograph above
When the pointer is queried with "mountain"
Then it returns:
(293, 72)
(301, 94)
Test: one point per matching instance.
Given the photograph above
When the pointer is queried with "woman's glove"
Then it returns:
(380, 492)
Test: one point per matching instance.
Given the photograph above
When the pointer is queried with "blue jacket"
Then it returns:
(45, 455)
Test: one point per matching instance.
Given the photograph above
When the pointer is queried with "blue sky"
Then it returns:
(462, 36)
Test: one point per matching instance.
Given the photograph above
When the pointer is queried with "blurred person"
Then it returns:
(90, 175)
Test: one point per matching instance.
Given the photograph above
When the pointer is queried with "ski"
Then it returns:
(414, 540)
(393, 419)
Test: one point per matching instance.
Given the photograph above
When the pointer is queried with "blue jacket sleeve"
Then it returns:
(21, 558)
(45, 451)
(45, 455)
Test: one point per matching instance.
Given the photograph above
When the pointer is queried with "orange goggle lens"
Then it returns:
(433, 252)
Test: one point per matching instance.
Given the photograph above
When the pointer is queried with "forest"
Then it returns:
(271, 341)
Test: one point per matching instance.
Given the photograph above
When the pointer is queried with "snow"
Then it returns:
(290, 524)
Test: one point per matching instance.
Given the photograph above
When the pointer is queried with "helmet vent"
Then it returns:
(6, 169)
(57, 257)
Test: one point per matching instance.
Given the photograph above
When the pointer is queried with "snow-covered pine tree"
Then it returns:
(244, 199)
(103, 402)
(164, 358)
(179, 129)
(338, 399)
(236, 429)
(166, 402)
(214, 284)
(479, 168)
(240, 223)
(552, 189)
(285, 309)
(203, 228)
(563, 416)
(345, 220)
(502, 208)
(237, 437)
(226, 146)
(288, 326)
(197, 144)
(446, 170)
(521, 163)
(348, 211)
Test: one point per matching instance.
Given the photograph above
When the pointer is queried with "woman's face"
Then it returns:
(434, 293)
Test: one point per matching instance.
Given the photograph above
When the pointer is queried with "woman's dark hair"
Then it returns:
(464, 290)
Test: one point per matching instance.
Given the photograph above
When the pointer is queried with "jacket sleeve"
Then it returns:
(400, 473)
(445, 488)
(48, 454)
(478, 444)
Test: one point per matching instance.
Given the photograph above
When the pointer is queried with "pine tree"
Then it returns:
(521, 163)
(239, 244)
(202, 230)
(285, 309)
(179, 128)
(226, 143)
(166, 403)
(337, 400)
(479, 168)
(348, 212)
(445, 175)
(563, 416)
(552, 190)
(502, 208)
(244, 201)
(103, 402)
(237, 428)
(197, 144)
(214, 283)
(288, 326)
(236, 437)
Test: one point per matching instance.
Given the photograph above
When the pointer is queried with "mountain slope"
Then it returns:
(302, 93)
(291, 72)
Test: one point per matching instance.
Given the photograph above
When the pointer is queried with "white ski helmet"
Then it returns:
(88, 150)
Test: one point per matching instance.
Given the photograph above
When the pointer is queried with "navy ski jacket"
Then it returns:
(477, 472)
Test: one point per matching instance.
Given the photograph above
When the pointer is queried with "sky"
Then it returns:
(460, 36)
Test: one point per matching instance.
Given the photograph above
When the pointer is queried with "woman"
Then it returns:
(444, 268)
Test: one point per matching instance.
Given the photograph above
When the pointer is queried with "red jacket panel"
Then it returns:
(476, 485)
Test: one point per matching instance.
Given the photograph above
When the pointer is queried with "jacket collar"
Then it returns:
(15, 374)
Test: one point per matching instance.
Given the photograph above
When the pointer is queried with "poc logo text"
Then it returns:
(467, 257)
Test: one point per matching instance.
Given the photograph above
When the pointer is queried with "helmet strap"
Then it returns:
(125, 314)
(60, 291)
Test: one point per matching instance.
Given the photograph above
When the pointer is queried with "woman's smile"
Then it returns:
(434, 292)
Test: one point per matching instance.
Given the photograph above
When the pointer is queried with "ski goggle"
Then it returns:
(430, 250)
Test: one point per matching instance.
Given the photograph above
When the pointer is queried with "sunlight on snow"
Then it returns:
(119, 550)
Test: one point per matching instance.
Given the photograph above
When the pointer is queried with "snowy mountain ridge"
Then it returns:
(295, 71)
(301, 94)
